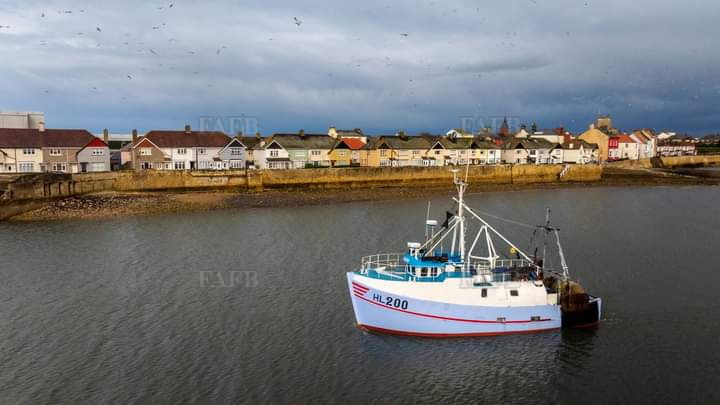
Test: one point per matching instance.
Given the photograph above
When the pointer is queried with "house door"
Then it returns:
(83, 167)
(192, 165)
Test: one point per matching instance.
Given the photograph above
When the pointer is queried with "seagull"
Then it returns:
(129, 77)
(404, 35)
(4, 26)
(191, 52)
(297, 22)
(153, 52)
(42, 15)
(171, 5)
(156, 27)
(220, 49)
(98, 29)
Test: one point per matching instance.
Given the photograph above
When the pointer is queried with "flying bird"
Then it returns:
(129, 77)
(297, 22)
(404, 35)
(153, 52)
(220, 49)
(171, 5)
(42, 15)
(4, 26)
(98, 29)
(156, 27)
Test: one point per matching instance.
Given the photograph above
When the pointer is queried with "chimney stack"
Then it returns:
(106, 135)
(134, 135)
(188, 129)
(41, 126)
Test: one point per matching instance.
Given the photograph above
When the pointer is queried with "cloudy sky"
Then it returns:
(379, 65)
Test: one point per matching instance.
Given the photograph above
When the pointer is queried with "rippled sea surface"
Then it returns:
(251, 306)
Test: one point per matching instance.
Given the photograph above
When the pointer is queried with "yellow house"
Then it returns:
(346, 152)
(399, 150)
(594, 135)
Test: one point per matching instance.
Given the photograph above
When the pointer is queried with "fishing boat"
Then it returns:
(440, 288)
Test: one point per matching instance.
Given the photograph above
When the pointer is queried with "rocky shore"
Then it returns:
(112, 204)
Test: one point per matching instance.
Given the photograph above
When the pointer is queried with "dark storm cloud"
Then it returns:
(380, 65)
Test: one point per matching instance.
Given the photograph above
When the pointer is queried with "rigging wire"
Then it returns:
(505, 219)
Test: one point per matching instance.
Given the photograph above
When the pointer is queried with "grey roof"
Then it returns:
(576, 143)
(529, 143)
(250, 142)
(406, 142)
(466, 143)
(305, 141)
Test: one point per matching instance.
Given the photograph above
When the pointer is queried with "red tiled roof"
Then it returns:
(353, 143)
(182, 139)
(51, 138)
(625, 139)
(96, 143)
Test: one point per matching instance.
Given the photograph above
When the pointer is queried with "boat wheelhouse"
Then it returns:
(438, 288)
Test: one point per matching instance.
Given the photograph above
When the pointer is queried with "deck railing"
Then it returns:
(393, 262)
(388, 261)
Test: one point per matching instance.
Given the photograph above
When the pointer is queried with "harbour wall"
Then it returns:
(22, 193)
(668, 162)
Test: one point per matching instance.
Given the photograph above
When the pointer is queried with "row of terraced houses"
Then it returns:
(71, 151)
(201, 150)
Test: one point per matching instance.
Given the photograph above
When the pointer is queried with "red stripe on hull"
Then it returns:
(359, 291)
(362, 287)
(449, 335)
(444, 317)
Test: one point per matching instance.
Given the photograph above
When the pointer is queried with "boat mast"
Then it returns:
(461, 186)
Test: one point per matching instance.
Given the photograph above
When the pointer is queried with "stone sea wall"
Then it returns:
(27, 191)
(668, 162)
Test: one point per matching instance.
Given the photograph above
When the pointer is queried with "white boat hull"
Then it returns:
(382, 310)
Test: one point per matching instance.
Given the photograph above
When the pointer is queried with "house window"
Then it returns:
(182, 151)
(28, 151)
(59, 167)
(236, 151)
(145, 152)
(484, 293)
(437, 152)
(517, 152)
(145, 165)
(416, 152)
(383, 152)
(26, 167)
(274, 153)
(201, 151)
(532, 152)
(55, 152)
(513, 293)
(98, 152)
(180, 165)
(315, 153)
